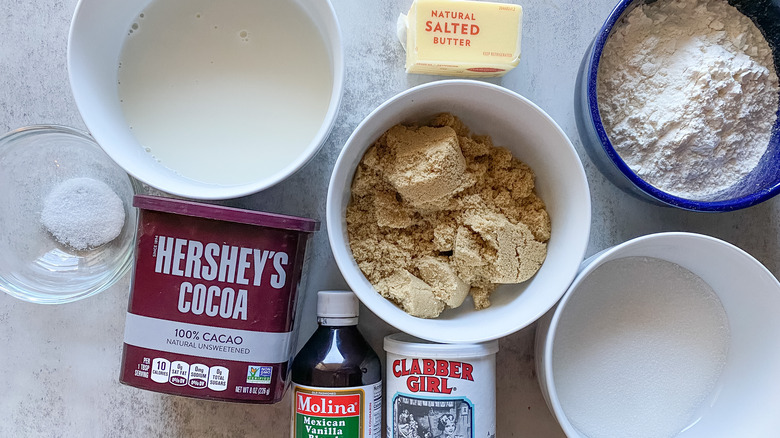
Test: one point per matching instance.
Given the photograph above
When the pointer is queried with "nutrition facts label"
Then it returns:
(201, 377)
(181, 373)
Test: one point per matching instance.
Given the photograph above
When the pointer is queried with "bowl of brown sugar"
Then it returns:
(458, 211)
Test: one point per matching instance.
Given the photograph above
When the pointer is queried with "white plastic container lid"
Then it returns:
(337, 308)
(337, 304)
(407, 345)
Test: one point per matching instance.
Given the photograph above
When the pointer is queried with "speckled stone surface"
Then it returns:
(60, 364)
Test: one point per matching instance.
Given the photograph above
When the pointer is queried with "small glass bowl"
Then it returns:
(34, 266)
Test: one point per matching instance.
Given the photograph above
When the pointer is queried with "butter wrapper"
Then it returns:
(461, 38)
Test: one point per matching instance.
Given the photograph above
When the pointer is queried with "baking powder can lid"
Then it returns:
(407, 345)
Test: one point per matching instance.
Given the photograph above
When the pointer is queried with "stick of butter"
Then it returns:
(462, 38)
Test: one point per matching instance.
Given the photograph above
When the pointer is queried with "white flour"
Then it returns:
(688, 95)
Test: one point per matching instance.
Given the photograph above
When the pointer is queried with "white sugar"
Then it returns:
(639, 349)
(83, 213)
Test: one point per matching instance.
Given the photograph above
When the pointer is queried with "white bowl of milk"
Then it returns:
(666, 335)
(203, 99)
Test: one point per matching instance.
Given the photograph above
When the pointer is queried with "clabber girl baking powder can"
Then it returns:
(440, 390)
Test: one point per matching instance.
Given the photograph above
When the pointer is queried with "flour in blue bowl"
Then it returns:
(688, 95)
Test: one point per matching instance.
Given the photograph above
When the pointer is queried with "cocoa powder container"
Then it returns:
(213, 300)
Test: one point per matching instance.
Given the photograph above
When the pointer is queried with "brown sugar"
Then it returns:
(427, 166)
(438, 214)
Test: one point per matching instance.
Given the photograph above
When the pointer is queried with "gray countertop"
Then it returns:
(60, 364)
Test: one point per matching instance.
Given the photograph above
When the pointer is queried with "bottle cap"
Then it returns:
(337, 304)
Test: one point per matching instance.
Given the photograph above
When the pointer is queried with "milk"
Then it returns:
(642, 353)
(222, 92)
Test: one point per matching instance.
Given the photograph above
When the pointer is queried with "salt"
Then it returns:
(639, 349)
(83, 213)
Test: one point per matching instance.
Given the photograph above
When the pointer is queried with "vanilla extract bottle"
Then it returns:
(337, 376)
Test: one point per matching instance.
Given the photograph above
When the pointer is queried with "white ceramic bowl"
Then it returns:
(748, 389)
(517, 124)
(97, 34)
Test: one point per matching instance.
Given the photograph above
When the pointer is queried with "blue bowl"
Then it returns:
(758, 186)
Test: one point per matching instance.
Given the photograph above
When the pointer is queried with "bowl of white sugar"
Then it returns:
(67, 225)
(677, 102)
(207, 100)
(666, 335)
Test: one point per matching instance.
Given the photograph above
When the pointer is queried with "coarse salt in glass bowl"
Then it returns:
(34, 265)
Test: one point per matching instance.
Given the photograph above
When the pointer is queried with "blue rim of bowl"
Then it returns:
(675, 201)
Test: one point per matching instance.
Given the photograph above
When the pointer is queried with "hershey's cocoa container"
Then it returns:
(213, 300)
(440, 390)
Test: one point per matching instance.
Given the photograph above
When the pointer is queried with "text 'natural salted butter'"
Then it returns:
(461, 38)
